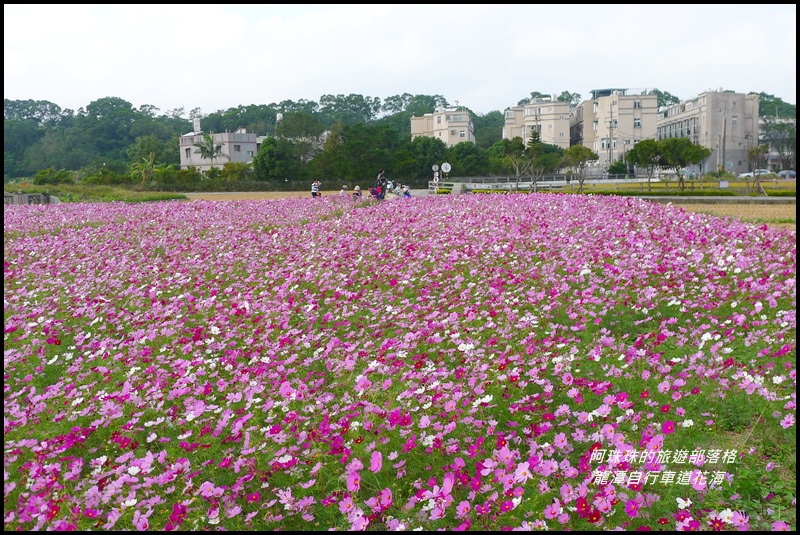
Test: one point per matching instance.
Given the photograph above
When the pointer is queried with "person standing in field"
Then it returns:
(315, 189)
(343, 192)
(357, 193)
(380, 184)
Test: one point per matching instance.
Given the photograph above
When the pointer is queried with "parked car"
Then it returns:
(757, 172)
(787, 173)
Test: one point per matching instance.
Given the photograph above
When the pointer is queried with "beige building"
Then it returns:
(547, 116)
(238, 146)
(723, 121)
(451, 125)
(613, 121)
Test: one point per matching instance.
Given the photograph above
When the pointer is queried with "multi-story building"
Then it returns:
(451, 125)
(547, 116)
(722, 121)
(613, 121)
(238, 146)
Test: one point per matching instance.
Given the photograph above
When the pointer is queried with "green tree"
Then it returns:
(573, 98)
(679, 152)
(144, 168)
(517, 156)
(545, 158)
(237, 171)
(782, 138)
(488, 128)
(578, 156)
(468, 158)
(645, 154)
(418, 158)
(772, 106)
(534, 95)
(143, 146)
(665, 99)
(208, 149)
(350, 109)
(618, 168)
(275, 161)
(757, 156)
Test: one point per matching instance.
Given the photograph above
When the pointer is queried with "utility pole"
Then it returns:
(610, 133)
(724, 133)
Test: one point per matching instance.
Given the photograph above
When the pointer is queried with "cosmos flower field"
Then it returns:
(509, 362)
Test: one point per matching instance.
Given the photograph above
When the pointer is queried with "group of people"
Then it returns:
(382, 186)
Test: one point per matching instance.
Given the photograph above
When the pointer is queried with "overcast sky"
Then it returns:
(485, 57)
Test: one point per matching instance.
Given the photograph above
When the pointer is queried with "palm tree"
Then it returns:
(145, 168)
(208, 150)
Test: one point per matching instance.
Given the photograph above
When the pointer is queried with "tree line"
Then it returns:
(111, 142)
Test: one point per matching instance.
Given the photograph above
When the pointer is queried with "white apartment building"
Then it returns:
(613, 121)
(239, 146)
(723, 121)
(452, 125)
(548, 116)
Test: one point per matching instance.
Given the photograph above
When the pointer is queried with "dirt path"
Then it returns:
(773, 215)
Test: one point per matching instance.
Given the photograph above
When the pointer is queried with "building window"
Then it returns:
(561, 117)
(549, 127)
(249, 154)
(561, 134)
(637, 123)
(637, 104)
(188, 154)
(452, 132)
(462, 134)
(237, 148)
(594, 107)
(594, 126)
(734, 120)
(439, 120)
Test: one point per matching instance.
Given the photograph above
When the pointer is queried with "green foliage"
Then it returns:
(51, 176)
(619, 168)
(467, 158)
(664, 98)
(275, 160)
(87, 193)
(774, 107)
(678, 153)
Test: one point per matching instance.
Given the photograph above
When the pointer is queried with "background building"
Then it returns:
(613, 121)
(547, 116)
(238, 146)
(722, 121)
(451, 125)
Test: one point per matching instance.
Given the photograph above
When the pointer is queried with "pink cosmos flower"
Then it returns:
(668, 427)
(463, 509)
(552, 511)
(788, 421)
(698, 480)
(353, 482)
(632, 508)
(376, 462)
